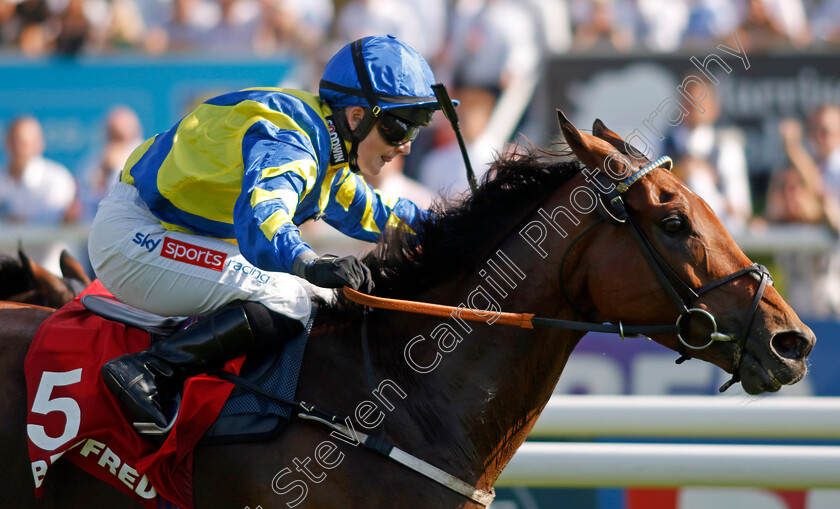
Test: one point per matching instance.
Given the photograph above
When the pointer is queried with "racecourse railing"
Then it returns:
(593, 463)
(588, 417)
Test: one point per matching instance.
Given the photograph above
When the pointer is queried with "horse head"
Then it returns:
(24, 280)
(675, 256)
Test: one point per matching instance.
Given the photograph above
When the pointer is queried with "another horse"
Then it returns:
(460, 395)
(25, 281)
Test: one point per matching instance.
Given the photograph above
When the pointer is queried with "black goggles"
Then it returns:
(397, 131)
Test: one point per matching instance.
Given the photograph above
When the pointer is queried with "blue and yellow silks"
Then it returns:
(250, 166)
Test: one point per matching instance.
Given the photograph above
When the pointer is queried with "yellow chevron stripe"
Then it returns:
(270, 226)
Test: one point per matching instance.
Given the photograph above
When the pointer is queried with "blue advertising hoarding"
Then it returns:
(72, 97)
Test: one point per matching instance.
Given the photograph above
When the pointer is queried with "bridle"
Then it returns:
(612, 208)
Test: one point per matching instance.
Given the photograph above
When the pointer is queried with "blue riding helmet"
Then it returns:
(388, 77)
(398, 75)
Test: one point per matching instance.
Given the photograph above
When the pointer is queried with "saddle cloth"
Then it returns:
(71, 414)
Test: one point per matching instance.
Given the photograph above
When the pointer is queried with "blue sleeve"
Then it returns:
(357, 210)
(280, 168)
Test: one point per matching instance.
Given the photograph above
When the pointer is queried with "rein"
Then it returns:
(521, 320)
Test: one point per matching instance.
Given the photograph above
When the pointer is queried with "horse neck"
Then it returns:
(470, 412)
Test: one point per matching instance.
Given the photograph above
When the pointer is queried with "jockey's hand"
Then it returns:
(333, 272)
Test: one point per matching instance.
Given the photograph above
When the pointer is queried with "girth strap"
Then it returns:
(414, 463)
(379, 444)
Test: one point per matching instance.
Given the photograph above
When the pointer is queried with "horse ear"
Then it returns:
(600, 130)
(568, 129)
(51, 287)
(27, 266)
(71, 268)
(588, 149)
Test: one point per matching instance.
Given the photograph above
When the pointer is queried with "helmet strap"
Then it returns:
(354, 136)
(364, 127)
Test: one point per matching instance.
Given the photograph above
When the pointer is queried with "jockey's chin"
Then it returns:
(374, 153)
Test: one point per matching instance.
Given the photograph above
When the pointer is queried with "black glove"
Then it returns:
(332, 272)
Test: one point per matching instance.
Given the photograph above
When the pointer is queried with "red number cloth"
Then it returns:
(72, 415)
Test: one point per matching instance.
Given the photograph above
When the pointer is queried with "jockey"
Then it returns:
(204, 219)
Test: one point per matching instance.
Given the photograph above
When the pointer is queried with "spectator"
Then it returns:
(710, 21)
(8, 23)
(491, 43)
(442, 168)
(234, 33)
(33, 189)
(73, 28)
(662, 23)
(291, 25)
(602, 25)
(824, 133)
(797, 195)
(821, 177)
(183, 30)
(712, 157)
(812, 279)
(824, 21)
(99, 173)
(774, 24)
(126, 27)
(790, 199)
(402, 18)
(28, 28)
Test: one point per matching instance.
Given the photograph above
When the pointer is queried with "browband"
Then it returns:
(624, 185)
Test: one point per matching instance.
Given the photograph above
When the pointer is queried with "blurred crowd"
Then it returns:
(804, 190)
(264, 27)
(480, 48)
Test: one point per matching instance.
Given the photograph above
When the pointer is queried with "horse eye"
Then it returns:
(673, 224)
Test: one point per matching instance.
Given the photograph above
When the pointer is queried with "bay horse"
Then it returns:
(463, 396)
(24, 280)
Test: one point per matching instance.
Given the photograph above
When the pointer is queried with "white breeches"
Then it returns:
(179, 274)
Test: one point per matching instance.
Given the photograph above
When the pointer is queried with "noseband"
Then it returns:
(613, 210)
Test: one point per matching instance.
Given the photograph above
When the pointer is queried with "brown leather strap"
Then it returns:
(522, 320)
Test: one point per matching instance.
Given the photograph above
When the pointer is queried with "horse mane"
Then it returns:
(444, 245)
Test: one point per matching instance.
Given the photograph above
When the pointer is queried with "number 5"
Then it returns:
(44, 405)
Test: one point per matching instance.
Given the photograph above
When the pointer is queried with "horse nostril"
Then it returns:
(791, 345)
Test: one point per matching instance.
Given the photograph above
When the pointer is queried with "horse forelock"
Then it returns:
(448, 241)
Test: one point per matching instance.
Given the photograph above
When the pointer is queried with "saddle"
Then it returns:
(246, 415)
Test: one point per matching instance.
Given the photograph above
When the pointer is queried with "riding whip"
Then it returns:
(448, 109)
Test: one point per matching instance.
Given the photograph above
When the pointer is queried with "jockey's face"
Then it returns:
(373, 151)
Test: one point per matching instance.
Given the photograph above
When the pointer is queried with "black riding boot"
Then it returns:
(142, 380)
